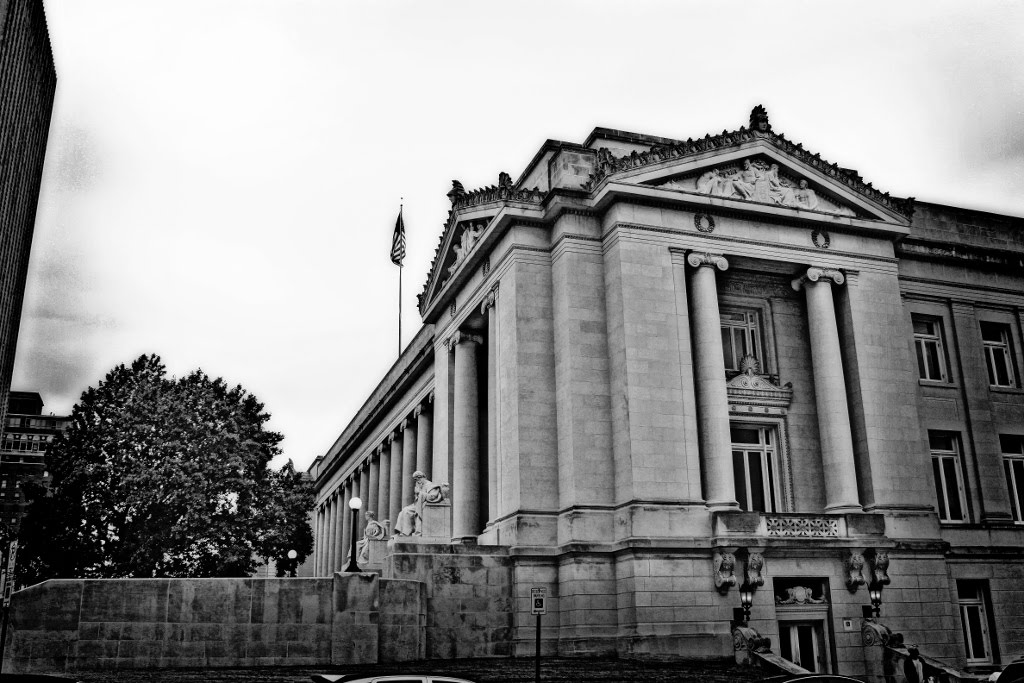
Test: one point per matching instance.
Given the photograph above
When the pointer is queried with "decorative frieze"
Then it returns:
(799, 595)
(811, 527)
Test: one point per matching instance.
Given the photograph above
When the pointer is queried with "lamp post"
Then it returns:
(354, 506)
(875, 593)
(292, 556)
(746, 601)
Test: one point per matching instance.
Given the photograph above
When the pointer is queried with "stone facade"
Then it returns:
(648, 361)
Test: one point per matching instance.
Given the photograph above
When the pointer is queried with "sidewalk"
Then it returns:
(553, 670)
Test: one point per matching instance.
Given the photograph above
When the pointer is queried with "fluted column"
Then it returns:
(395, 478)
(317, 541)
(487, 308)
(830, 390)
(345, 522)
(384, 485)
(424, 439)
(466, 442)
(364, 489)
(408, 460)
(373, 490)
(709, 376)
(332, 532)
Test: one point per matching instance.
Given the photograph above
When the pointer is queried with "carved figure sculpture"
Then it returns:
(710, 182)
(854, 578)
(466, 243)
(805, 197)
(374, 531)
(724, 565)
(410, 519)
(778, 191)
(880, 567)
(741, 183)
(759, 120)
(456, 192)
(755, 563)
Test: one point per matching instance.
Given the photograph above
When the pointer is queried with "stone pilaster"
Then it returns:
(466, 441)
(424, 440)
(408, 459)
(395, 478)
(709, 373)
(989, 485)
(834, 431)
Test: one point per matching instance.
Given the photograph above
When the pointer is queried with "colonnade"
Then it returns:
(835, 434)
(383, 481)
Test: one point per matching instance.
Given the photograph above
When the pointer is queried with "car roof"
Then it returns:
(385, 678)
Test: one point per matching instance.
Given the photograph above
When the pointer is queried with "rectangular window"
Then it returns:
(972, 597)
(998, 355)
(949, 483)
(741, 335)
(931, 356)
(755, 471)
(1013, 466)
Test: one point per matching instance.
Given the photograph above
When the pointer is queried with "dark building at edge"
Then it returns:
(28, 82)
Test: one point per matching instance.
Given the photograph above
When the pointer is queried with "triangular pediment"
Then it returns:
(717, 167)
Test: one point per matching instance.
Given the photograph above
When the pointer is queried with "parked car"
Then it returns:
(1013, 673)
(390, 678)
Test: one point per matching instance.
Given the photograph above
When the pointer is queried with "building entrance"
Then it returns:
(803, 643)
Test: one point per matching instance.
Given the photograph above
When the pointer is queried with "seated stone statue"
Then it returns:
(410, 519)
(374, 531)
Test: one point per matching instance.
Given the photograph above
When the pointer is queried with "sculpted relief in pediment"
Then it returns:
(755, 180)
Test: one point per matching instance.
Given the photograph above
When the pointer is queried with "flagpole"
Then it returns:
(400, 205)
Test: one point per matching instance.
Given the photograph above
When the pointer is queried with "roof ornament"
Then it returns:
(456, 192)
(759, 120)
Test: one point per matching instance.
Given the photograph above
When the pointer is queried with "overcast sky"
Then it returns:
(223, 176)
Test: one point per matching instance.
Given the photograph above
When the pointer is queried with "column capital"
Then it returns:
(403, 425)
(816, 274)
(390, 438)
(706, 258)
(489, 299)
(460, 337)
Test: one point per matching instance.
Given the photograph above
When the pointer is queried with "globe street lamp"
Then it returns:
(354, 505)
(292, 556)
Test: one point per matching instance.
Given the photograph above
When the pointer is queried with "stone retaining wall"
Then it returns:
(72, 625)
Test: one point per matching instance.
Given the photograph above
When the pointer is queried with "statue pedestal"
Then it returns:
(376, 549)
(436, 525)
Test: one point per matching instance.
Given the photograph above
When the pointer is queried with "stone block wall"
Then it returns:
(72, 625)
(467, 593)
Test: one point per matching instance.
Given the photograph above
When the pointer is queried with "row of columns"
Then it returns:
(382, 481)
(835, 434)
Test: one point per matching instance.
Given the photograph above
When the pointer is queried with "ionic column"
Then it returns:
(317, 547)
(345, 521)
(373, 489)
(709, 376)
(466, 441)
(408, 460)
(332, 533)
(487, 308)
(830, 390)
(395, 480)
(424, 439)
(364, 488)
(384, 485)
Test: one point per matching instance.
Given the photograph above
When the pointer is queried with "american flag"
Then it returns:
(398, 242)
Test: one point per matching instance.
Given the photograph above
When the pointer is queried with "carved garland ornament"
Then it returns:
(704, 222)
(820, 238)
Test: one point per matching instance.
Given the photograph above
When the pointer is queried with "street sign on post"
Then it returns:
(538, 596)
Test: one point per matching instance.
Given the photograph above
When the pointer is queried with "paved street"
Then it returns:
(482, 670)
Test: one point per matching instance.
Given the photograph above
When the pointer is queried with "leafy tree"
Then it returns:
(160, 477)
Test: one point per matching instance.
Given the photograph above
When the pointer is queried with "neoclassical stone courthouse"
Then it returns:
(660, 375)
